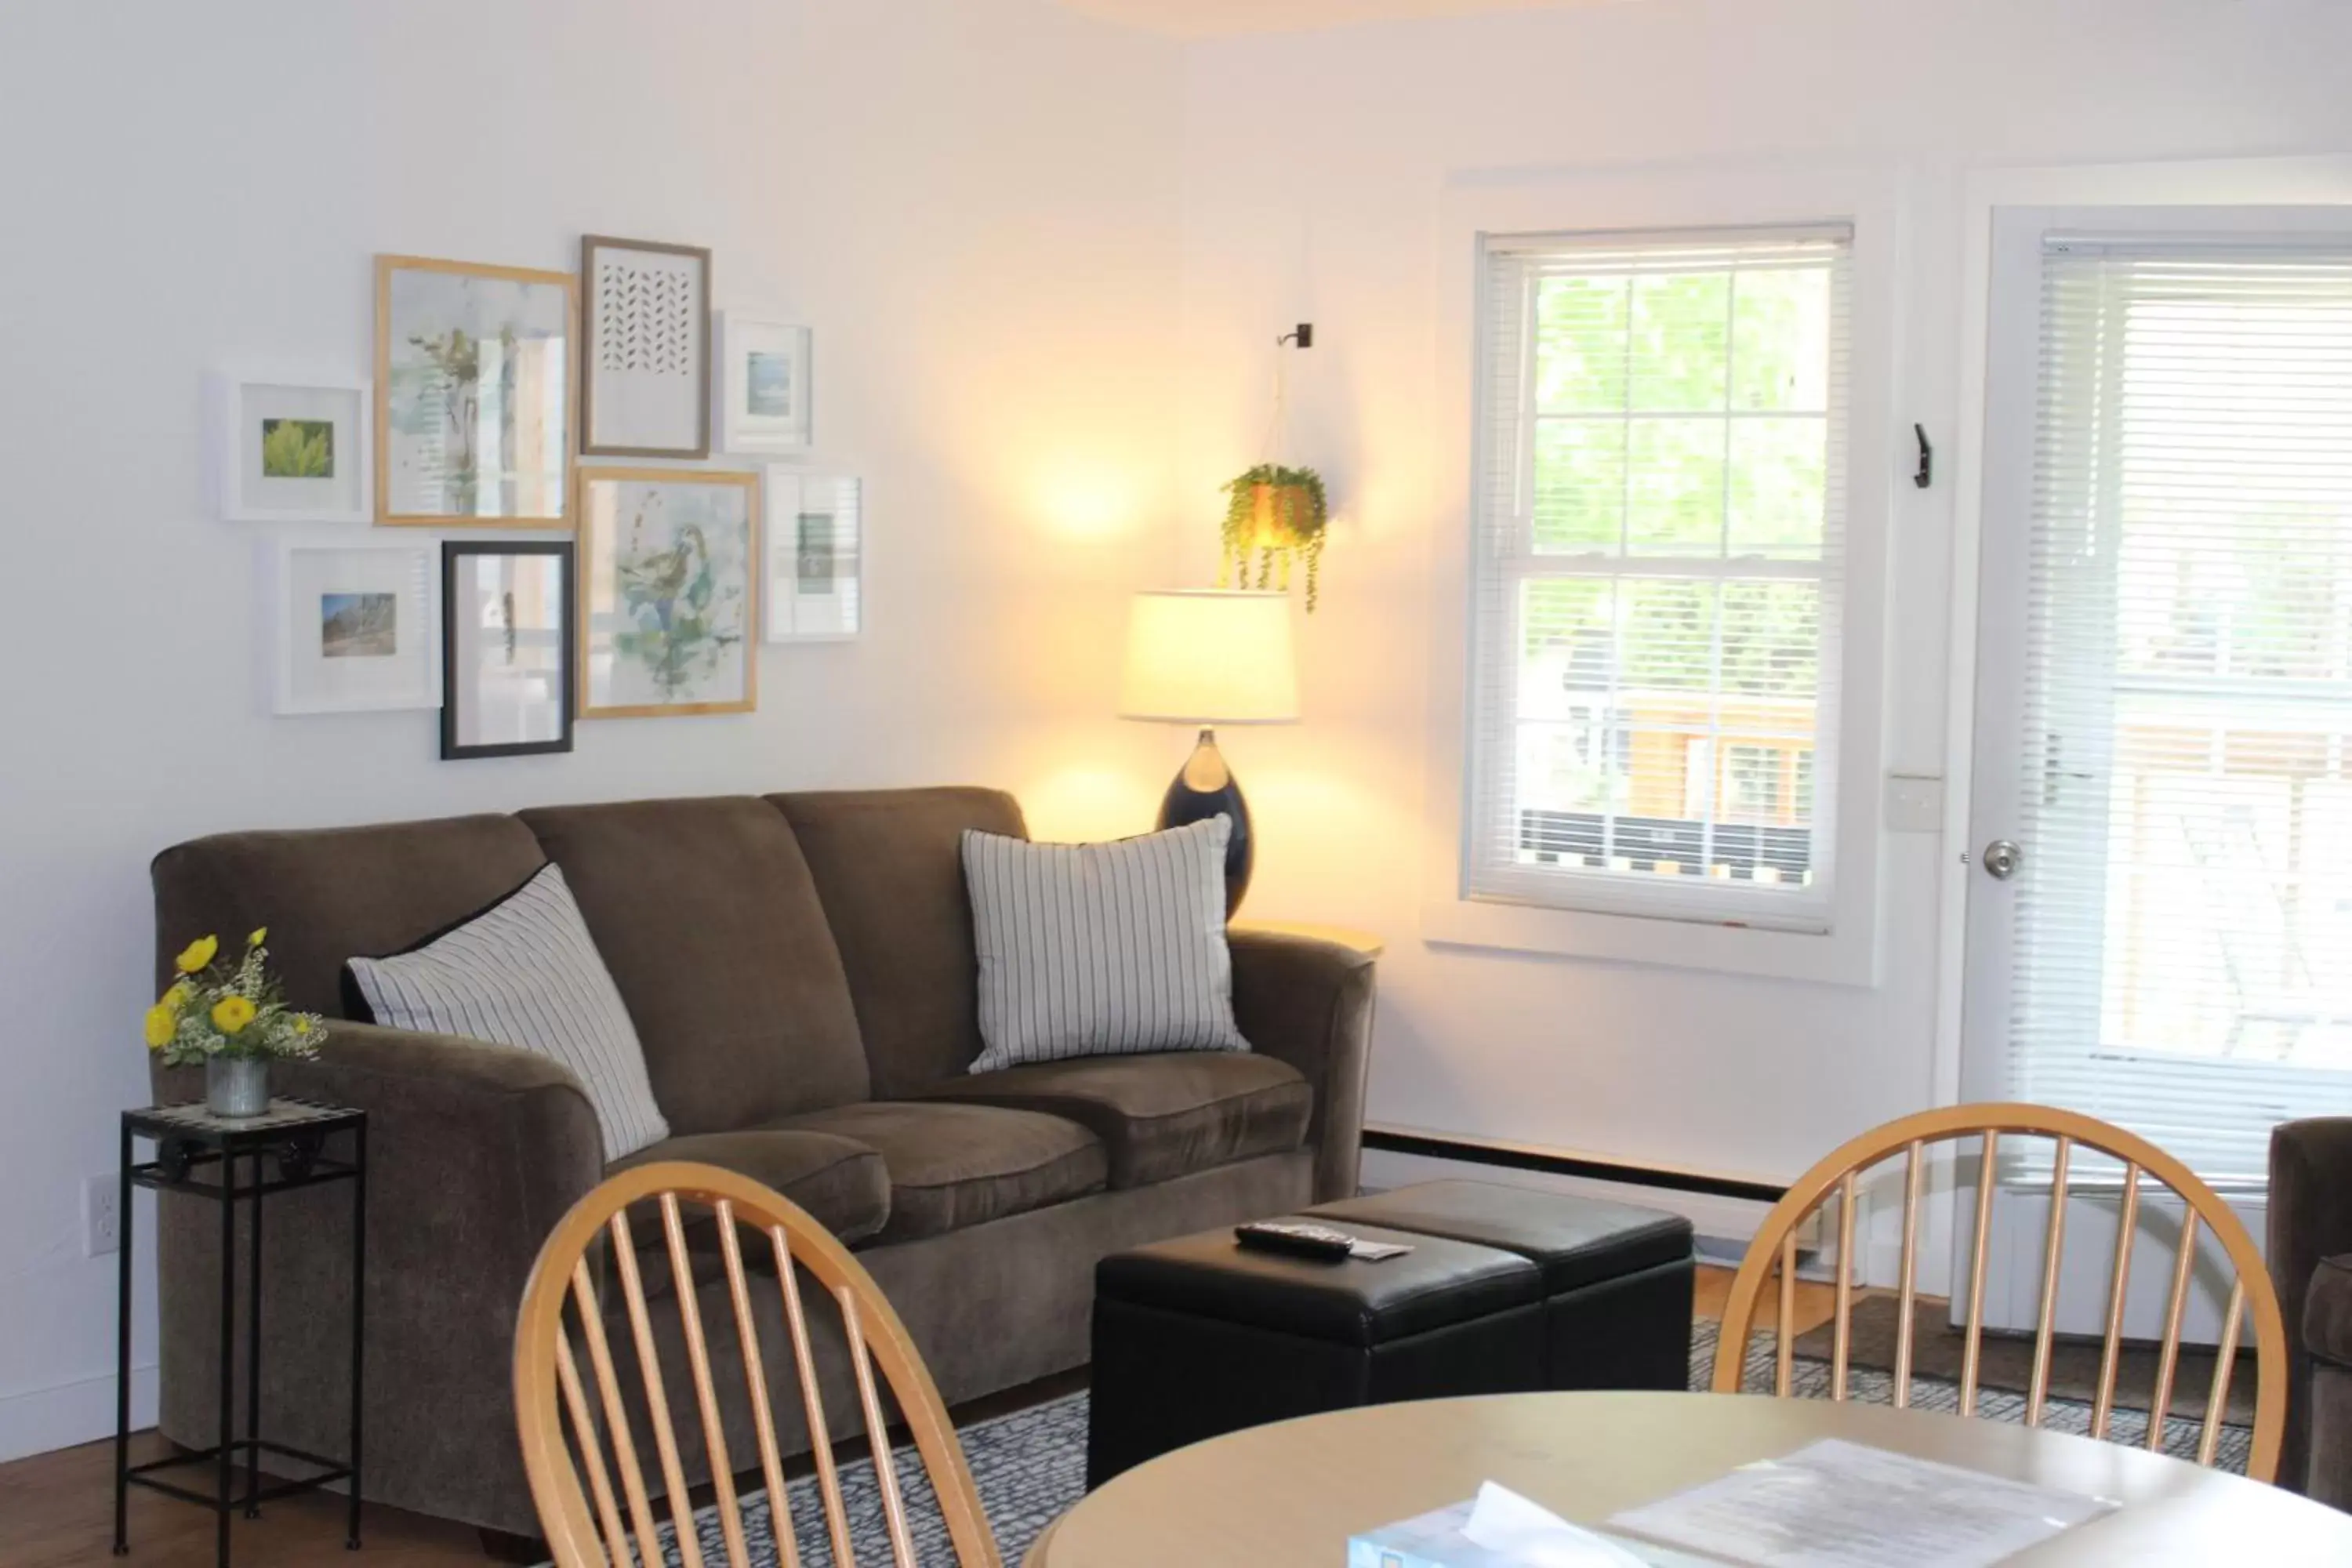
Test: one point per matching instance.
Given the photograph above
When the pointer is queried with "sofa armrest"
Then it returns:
(1309, 1003)
(2310, 1219)
(475, 1152)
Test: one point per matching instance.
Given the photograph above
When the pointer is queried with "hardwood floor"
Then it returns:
(57, 1511)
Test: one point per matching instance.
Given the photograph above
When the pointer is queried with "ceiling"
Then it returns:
(1218, 18)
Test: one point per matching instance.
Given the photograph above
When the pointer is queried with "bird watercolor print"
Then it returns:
(668, 587)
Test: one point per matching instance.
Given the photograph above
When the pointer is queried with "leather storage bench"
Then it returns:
(1197, 1337)
(1616, 1278)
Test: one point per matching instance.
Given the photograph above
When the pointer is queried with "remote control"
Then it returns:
(1316, 1241)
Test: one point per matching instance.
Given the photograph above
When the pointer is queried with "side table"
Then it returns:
(188, 1138)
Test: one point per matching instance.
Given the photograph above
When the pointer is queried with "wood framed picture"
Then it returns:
(816, 545)
(507, 647)
(762, 388)
(290, 448)
(473, 400)
(670, 592)
(646, 362)
(356, 630)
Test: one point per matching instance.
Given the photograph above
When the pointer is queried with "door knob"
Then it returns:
(2002, 860)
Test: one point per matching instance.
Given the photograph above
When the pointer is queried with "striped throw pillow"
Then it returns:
(1101, 949)
(526, 973)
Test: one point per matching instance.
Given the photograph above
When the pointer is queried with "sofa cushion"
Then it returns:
(706, 915)
(841, 1183)
(525, 973)
(327, 894)
(1092, 950)
(956, 1165)
(888, 867)
(1162, 1115)
(2327, 1309)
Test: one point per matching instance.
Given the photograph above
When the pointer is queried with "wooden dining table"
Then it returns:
(1291, 1493)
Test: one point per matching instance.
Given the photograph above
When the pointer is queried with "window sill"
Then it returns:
(1836, 957)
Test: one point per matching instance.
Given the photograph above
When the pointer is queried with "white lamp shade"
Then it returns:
(1208, 656)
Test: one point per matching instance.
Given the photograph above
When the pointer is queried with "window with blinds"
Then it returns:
(2183, 930)
(1659, 527)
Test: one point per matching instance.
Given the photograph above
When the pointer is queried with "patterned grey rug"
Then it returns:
(1031, 1466)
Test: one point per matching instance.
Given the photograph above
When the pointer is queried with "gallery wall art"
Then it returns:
(815, 547)
(668, 618)
(473, 402)
(507, 651)
(763, 387)
(647, 355)
(289, 450)
(357, 629)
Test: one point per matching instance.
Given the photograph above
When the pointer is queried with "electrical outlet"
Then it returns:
(101, 1213)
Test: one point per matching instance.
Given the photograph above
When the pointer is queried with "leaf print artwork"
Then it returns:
(670, 569)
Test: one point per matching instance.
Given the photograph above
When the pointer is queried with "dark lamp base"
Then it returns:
(1206, 788)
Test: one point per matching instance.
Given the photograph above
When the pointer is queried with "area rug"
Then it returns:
(2007, 1361)
(1031, 1466)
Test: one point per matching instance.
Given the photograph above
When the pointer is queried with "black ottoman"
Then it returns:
(1196, 1337)
(1616, 1279)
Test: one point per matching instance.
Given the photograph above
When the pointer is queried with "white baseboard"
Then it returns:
(65, 1415)
(1732, 1219)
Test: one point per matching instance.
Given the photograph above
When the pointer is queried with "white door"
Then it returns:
(2161, 914)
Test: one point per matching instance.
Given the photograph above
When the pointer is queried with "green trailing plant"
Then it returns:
(1275, 518)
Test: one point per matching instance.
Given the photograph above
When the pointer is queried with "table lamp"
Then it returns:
(1209, 656)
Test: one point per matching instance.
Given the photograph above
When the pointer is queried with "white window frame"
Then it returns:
(1726, 197)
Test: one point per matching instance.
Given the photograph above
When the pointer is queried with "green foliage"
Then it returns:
(298, 448)
(1289, 527)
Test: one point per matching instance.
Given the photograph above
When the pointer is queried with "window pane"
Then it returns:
(1780, 485)
(1579, 485)
(1567, 669)
(1680, 330)
(1780, 341)
(1771, 643)
(1674, 501)
(1668, 632)
(1580, 344)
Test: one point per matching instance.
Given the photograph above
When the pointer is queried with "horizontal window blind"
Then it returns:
(1659, 538)
(2183, 924)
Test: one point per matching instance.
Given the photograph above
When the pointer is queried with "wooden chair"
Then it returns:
(548, 1385)
(1774, 1252)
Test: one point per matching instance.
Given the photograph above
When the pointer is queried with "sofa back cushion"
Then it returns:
(707, 916)
(331, 894)
(888, 866)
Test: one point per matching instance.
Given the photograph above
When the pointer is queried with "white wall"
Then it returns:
(1316, 173)
(973, 202)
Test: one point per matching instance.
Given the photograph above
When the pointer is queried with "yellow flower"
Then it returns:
(198, 953)
(302, 1026)
(162, 1023)
(259, 933)
(232, 1013)
(175, 999)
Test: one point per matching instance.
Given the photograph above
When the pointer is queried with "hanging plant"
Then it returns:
(1274, 517)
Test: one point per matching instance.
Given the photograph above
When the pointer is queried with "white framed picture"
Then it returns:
(646, 354)
(357, 626)
(816, 549)
(762, 387)
(290, 448)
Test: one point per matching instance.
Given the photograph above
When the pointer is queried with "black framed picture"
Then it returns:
(507, 673)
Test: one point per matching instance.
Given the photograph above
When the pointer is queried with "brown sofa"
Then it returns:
(801, 971)
(2310, 1256)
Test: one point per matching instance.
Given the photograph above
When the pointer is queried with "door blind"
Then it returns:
(2183, 923)
(1660, 531)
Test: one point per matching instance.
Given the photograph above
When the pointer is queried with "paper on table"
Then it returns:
(1842, 1505)
(1533, 1536)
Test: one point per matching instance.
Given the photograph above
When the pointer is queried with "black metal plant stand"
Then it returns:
(187, 1139)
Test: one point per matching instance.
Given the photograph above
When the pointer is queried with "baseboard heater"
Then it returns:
(1504, 1154)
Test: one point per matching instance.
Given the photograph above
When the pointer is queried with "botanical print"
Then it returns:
(671, 584)
(359, 626)
(298, 448)
(814, 560)
(768, 384)
(475, 386)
